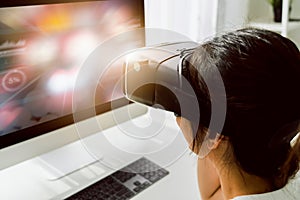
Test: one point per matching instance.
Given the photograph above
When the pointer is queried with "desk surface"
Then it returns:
(30, 179)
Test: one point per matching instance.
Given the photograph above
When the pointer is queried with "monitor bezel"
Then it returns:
(40, 129)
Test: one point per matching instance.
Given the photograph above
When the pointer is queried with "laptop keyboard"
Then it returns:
(124, 183)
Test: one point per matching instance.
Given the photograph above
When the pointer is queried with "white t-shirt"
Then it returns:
(290, 192)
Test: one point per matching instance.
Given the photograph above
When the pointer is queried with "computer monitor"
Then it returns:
(43, 45)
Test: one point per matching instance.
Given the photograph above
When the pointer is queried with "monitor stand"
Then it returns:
(66, 160)
(74, 156)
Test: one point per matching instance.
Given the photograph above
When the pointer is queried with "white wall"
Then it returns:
(232, 14)
(295, 9)
(294, 34)
(195, 19)
(202, 19)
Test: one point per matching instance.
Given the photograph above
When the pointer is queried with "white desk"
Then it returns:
(30, 179)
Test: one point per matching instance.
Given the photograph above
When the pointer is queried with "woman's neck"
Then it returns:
(234, 181)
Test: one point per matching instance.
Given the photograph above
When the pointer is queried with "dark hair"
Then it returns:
(261, 74)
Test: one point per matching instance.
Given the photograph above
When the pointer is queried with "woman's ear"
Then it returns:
(210, 144)
(216, 142)
(186, 128)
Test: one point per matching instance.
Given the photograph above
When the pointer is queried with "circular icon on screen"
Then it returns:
(13, 80)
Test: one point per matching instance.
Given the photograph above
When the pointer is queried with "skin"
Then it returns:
(219, 179)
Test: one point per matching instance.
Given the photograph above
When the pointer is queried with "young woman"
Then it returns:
(257, 153)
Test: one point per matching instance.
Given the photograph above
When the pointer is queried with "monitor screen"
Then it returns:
(43, 45)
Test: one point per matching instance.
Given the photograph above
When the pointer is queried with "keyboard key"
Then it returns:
(129, 194)
(123, 176)
(137, 183)
(137, 189)
(123, 191)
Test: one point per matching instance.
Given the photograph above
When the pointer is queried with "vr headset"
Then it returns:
(153, 76)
